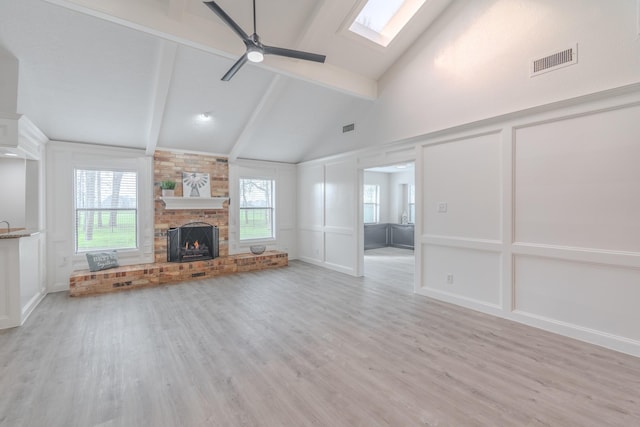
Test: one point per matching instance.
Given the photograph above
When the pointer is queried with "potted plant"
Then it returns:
(167, 188)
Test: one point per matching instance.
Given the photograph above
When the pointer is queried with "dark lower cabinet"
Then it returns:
(376, 236)
(401, 235)
(383, 235)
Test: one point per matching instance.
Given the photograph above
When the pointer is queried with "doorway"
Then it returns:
(388, 216)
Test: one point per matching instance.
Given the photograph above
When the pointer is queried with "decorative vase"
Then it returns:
(167, 193)
(257, 249)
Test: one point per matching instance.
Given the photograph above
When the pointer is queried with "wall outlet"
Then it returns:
(450, 279)
(442, 207)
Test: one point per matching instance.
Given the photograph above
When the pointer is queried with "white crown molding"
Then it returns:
(18, 135)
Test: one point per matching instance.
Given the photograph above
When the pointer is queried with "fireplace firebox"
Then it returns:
(195, 241)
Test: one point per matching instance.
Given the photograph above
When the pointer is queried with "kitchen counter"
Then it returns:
(16, 234)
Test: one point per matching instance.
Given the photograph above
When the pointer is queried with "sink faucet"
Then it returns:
(8, 226)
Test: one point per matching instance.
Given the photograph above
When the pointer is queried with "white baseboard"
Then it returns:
(58, 287)
(328, 265)
(32, 304)
(580, 333)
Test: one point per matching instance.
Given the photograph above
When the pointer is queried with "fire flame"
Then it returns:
(196, 244)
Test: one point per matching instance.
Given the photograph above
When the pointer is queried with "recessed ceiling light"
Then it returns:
(205, 117)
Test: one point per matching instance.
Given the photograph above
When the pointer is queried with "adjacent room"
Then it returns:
(319, 212)
(388, 216)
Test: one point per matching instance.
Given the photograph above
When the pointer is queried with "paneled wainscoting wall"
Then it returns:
(541, 224)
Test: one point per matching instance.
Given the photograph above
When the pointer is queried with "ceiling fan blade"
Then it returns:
(233, 70)
(227, 19)
(290, 53)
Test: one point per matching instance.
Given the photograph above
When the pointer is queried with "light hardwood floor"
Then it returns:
(394, 266)
(300, 346)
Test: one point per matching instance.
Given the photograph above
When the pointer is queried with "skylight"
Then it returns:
(381, 20)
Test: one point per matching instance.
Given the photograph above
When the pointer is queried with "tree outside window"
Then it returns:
(256, 209)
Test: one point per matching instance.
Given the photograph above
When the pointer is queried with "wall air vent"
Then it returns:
(349, 128)
(554, 61)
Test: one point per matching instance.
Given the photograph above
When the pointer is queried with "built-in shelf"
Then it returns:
(194, 202)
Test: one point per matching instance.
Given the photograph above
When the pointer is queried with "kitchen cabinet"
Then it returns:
(401, 235)
(383, 235)
(22, 279)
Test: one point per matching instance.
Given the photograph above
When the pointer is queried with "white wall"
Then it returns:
(537, 173)
(381, 179)
(473, 63)
(12, 208)
(285, 177)
(329, 205)
(62, 159)
(541, 224)
(9, 70)
(542, 221)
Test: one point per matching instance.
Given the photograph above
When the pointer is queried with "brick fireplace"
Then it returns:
(168, 165)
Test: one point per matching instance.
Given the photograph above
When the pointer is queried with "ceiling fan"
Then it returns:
(255, 49)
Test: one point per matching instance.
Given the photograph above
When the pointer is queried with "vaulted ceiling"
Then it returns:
(139, 73)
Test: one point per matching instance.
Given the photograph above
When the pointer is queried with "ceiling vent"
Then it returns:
(554, 61)
(349, 128)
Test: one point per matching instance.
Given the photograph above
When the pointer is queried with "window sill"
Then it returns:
(248, 243)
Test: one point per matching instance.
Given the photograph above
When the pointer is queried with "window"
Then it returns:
(381, 20)
(412, 203)
(256, 209)
(106, 208)
(371, 199)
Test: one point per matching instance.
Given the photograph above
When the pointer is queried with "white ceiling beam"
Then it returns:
(164, 76)
(197, 32)
(270, 95)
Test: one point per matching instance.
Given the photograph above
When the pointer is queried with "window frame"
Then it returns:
(272, 207)
(376, 204)
(411, 190)
(136, 172)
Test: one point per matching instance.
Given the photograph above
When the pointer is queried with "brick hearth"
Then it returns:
(84, 282)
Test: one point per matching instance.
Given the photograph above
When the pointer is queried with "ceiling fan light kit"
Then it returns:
(255, 49)
(254, 54)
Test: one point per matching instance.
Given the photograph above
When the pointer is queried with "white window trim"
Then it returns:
(245, 243)
(376, 204)
(138, 218)
(108, 158)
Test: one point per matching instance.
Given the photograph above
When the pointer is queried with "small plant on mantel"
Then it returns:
(167, 188)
